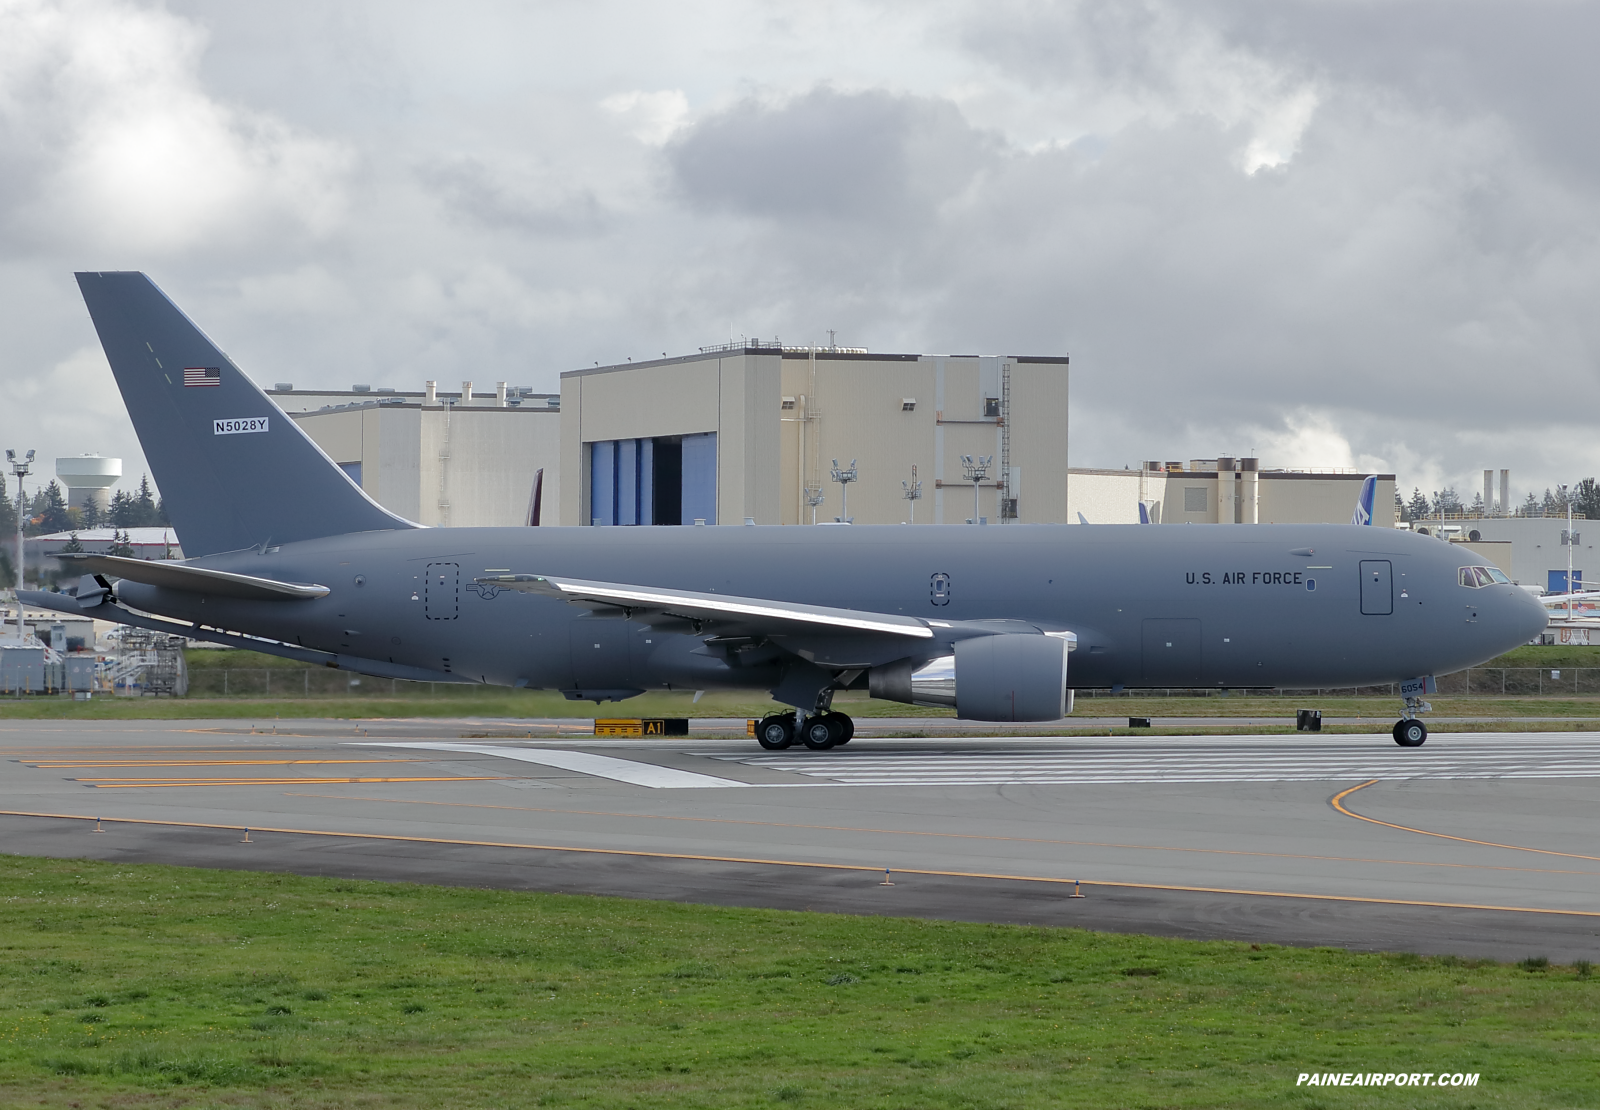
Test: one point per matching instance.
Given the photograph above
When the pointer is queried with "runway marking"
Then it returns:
(1337, 801)
(587, 763)
(1490, 757)
(952, 836)
(126, 784)
(857, 867)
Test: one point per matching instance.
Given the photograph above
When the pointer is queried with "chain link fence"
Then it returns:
(1476, 682)
(306, 682)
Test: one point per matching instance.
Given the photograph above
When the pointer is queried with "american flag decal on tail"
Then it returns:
(202, 375)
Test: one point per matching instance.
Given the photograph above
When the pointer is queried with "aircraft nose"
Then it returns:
(1531, 615)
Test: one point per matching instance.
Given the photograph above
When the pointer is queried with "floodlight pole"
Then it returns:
(814, 497)
(975, 471)
(844, 478)
(20, 468)
(912, 492)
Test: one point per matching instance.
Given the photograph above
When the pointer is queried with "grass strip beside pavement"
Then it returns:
(141, 985)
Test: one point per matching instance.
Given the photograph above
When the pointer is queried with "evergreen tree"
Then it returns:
(1555, 503)
(161, 513)
(1446, 502)
(8, 516)
(148, 516)
(122, 509)
(1400, 512)
(1530, 507)
(50, 510)
(89, 514)
(8, 573)
(1586, 498)
(120, 545)
(1477, 505)
(72, 544)
(1418, 507)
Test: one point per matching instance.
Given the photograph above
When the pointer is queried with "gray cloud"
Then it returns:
(1346, 233)
(829, 155)
(471, 190)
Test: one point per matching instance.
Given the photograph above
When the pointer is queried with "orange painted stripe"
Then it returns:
(125, 784)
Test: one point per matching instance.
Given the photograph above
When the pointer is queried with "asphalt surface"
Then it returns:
(1480, 844)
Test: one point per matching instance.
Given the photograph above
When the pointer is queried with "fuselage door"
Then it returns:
(1377, 587)
(441, 592)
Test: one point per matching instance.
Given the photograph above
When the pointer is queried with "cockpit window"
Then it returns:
(1476, 577)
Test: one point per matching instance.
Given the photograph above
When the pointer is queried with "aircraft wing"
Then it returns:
(730, 614)
(191, 579)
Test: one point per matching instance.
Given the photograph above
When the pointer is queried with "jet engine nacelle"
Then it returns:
(1008, 677)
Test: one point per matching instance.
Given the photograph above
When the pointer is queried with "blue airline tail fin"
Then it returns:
(233, 470)
(1144, 513)
(1363, 513)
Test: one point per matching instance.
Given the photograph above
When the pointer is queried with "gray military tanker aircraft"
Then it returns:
(286, 555)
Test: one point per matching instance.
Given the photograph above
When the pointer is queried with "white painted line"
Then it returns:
(600, 766)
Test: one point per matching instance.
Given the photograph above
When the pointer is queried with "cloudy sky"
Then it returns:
(1332, 233)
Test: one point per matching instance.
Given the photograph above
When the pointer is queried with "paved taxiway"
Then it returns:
(1479, 844)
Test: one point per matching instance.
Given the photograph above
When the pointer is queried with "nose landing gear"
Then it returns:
(1408, 731)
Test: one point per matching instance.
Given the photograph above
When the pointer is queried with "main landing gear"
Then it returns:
(1408, 731)
(818, 731)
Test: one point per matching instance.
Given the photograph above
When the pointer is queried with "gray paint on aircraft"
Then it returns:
(1215, 606)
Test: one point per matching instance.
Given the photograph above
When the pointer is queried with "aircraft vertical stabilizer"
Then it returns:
(1363, 513)
(233, 470)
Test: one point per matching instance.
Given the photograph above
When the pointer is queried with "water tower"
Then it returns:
(89, 478)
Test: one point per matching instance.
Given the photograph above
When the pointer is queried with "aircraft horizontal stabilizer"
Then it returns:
(747, 613)
(192, 579)
(101, 609)
(1582, 597)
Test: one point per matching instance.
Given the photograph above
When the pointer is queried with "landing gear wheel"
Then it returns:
(1410, 734)
(821, 733)
(847, 727)
(775, 732)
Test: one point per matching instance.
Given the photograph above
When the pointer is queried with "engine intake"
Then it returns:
(1008, 677)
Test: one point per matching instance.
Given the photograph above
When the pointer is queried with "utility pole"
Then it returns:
(912, 492)
(844, 478)
(1569, 541)
(975, 471)
(20, 468)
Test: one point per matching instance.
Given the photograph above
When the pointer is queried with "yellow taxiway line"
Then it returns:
(1337, 802)
(638, 854)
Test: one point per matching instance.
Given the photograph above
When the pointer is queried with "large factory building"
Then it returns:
(442, 458)
(753, 431)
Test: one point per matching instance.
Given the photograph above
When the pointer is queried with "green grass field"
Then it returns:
(147, 986)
